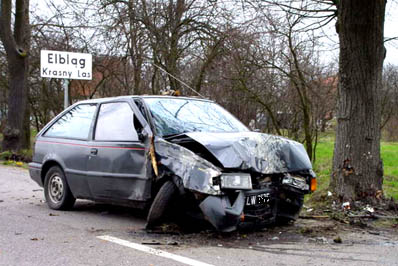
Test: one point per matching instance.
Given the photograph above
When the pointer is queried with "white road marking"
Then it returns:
(153, 251)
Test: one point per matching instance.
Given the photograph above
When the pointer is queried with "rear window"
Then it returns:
(75, 124)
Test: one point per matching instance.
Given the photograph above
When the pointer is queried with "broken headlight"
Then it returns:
(236, 181)
(295, 181)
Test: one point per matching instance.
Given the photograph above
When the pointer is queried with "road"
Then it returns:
(93, 234)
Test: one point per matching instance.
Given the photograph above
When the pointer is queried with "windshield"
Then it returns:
(176, 116)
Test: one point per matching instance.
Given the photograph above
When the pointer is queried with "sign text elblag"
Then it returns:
(65, 65)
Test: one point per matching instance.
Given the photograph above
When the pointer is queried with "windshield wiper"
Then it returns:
(174, 135)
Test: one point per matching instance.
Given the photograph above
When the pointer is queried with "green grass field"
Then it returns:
(389, 153)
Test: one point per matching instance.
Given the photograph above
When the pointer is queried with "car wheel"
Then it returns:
(56, 190)
(289, 211)
(160, 204)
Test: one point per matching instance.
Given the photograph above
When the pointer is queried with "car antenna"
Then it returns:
(182, 82)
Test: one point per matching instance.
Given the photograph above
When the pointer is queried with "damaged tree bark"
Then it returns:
(357, 166)
(16, 44)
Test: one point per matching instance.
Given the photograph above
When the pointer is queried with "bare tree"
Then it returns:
(389, 100)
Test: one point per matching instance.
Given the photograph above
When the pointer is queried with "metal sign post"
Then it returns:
(65, 65)
(66, 93)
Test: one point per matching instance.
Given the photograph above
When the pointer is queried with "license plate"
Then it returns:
(259, 199)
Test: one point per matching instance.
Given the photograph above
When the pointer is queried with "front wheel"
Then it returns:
(56, 190)
(161, 204)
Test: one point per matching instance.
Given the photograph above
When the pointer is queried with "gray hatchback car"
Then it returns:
(171, 154)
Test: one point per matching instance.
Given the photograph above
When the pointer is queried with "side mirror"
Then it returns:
(140, 129)
(142, 135)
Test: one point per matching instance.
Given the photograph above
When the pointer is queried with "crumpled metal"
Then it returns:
(196, 173)
(257, 152)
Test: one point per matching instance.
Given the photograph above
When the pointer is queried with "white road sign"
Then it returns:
(65, 65)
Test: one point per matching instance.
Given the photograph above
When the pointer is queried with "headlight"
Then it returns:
(236, 181)
(297, 182)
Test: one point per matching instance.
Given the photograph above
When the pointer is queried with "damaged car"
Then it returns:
(171, 154)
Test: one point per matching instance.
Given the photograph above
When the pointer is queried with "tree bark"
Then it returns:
(16, 44)
(357, 166)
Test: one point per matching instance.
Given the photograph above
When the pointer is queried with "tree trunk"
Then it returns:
(16, 44)
(357, 166)
(16, 133)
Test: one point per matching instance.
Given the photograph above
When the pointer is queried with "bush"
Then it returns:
(6, 155)
(22, 156)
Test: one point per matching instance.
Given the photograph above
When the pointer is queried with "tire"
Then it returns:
(56, 190)
(161, 204)
(289, 212)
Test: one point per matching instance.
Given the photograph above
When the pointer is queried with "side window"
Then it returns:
(115, 123)
(74, 124)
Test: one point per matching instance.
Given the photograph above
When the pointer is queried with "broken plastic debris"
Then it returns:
(346, 205)
(151, 243)
(330, 194)
(275, 238)
(338, 240)
(321, 239)
(310, 210)
(374, 233)
(369, 209)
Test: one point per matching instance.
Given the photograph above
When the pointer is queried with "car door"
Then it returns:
(117, 161)
(66, 142)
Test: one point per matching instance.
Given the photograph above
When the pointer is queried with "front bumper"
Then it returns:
(227, 215)
(257, 207)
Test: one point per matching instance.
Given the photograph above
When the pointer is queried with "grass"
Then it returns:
(15, 163)
(323, 163)
(389, 154)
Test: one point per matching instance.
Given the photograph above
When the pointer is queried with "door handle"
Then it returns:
(93, 151)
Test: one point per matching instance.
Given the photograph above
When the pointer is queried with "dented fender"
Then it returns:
(196, 173)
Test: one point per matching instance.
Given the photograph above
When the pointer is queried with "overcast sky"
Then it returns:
(391, 30)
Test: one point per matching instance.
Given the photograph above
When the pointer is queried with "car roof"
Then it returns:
(107, 99)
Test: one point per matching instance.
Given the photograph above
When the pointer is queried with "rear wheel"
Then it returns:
(161, 204)
(56, 190)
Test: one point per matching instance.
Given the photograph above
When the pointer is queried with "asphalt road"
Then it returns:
(92, 234)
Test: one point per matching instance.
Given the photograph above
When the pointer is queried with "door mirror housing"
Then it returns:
(142, 135)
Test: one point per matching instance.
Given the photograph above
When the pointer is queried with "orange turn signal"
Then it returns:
(313, 184)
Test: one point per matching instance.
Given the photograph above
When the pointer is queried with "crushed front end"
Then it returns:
(239, 179)
(271, 199)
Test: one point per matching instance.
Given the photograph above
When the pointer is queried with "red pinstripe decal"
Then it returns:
(84, 145)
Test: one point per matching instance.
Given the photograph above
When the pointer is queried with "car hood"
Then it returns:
(263, 153)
